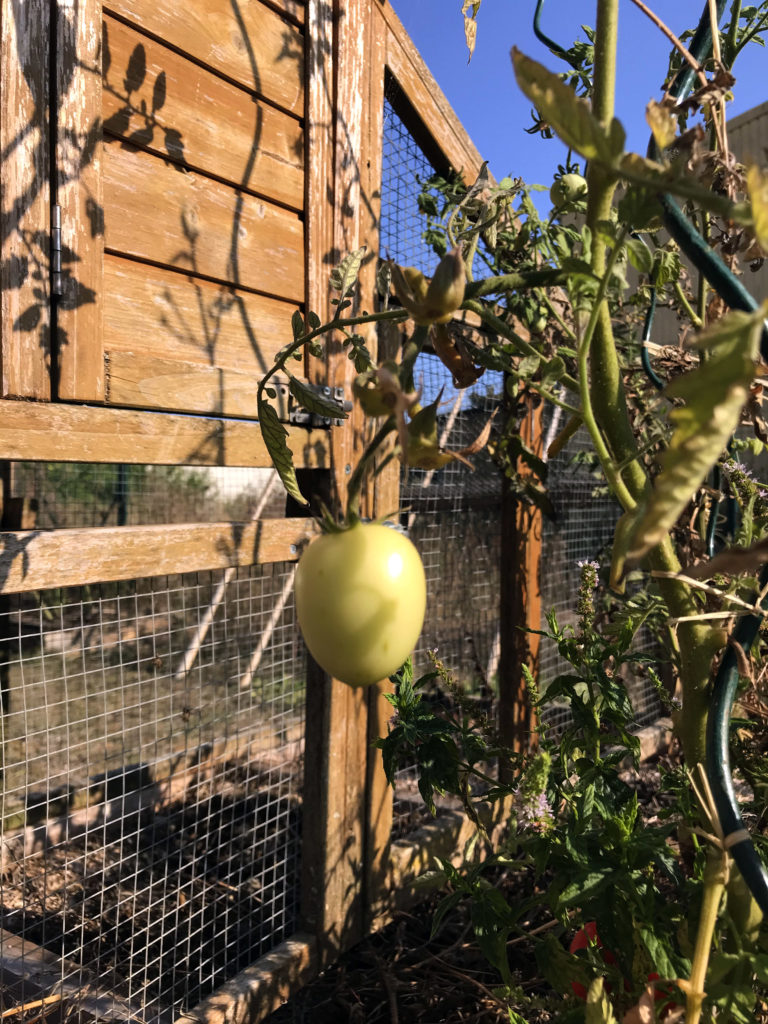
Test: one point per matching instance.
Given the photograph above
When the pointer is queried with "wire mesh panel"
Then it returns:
(453, 514)
(60, 495)
(579, 530)
(152, 747)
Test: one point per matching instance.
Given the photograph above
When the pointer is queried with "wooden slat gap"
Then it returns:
(141, 30)
(222, 282)
(236, 186)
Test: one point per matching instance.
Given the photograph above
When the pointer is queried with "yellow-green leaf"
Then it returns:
(662, 122)
(714, 395)
(570, 116)
(757, 184)
(274, 434)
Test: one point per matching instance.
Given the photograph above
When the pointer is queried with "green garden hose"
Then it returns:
(725, 686)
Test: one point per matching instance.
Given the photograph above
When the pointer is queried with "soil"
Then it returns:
(404, 975)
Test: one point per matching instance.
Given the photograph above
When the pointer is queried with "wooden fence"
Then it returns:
(203, 166)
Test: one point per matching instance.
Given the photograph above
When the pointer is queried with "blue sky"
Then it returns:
(485, 95)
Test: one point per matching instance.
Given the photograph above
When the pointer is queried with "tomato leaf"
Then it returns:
(714, 395)
(274, 434)
(297, 325)
(757, 184)
(598, 1009)
(313, 402)
(344, 276)
(569, 115)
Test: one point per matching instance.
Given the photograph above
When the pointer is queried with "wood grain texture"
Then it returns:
(520, 598)
(179, 110)
(146, 381)
(245, 41)
(80, 363)
(88, 433)
(152, 311)
(159, 212)
(39, 559)
(25, 169)
(425, 96)
(259, 990)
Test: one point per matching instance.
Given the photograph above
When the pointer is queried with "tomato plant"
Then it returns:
(360, 601)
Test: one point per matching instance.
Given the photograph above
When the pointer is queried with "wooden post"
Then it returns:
(520, 598)
(26, 197)
(337, 715)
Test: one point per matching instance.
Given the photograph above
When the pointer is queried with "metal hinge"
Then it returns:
(300, 416)
(56, 283)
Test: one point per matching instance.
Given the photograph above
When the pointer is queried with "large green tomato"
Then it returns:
(360, 601)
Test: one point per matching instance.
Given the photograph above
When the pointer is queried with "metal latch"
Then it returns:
(56, 282)
(300, 416)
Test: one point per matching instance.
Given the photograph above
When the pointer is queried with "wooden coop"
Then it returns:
(193, 819)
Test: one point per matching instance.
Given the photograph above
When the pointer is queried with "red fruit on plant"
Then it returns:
(585, 937)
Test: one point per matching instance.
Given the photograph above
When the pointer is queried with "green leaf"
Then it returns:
(640, 255)
(313, 402)
(599, 1009)
(344, 276)
(570, 116)
(297, 325)
(714, 394)
(274, 434)
(757, 184)
(313, 320)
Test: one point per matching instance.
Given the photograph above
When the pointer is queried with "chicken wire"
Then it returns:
(152, 746)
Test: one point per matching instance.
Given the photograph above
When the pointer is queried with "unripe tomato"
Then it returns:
(568, 189)
(360, 600)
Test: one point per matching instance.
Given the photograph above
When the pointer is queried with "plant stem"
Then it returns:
(715, 878)
(503, 328)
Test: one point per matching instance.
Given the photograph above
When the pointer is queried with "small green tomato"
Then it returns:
(568, 189)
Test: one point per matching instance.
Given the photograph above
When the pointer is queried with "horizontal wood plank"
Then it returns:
(162, 213)
(39, 559)
(173, 107)
(188, 318)
(149, 382)
(249, 43)
(45, 432)
(424, 94)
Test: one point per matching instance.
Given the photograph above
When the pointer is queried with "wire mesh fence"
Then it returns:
(152, 788)
(59, 495)
(580, 529)
(452, 514)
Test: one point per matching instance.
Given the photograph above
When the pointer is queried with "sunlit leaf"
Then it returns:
(757, 184)
(714, 396)
(570, 116)
(598, 1009)
(469, 9)
(662, 122)
(274, 434)
(344, 276)
(310, 400)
